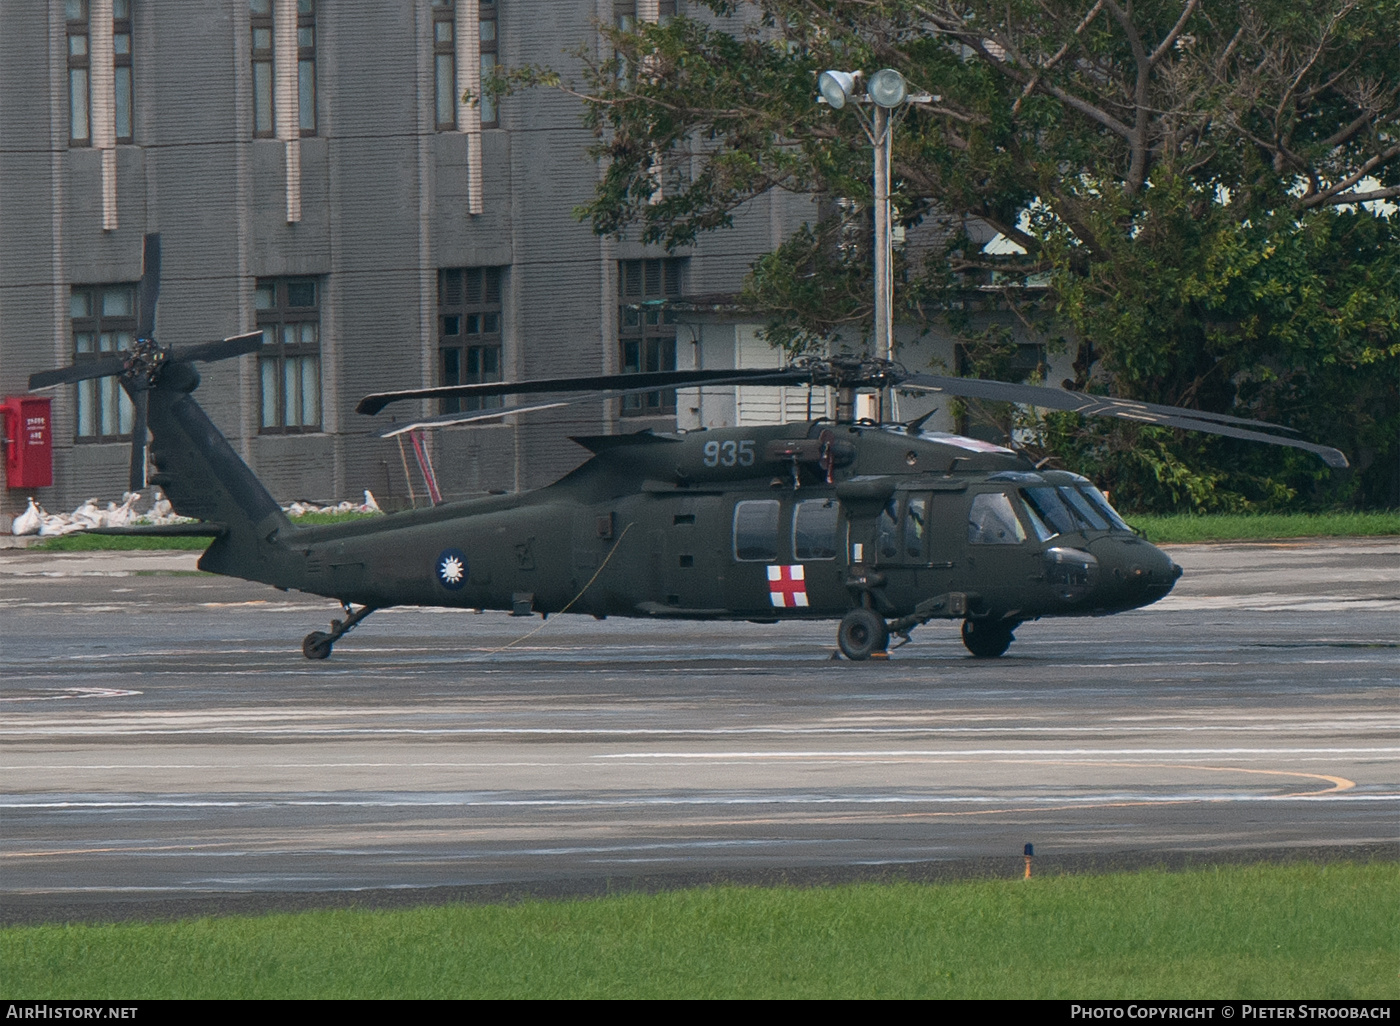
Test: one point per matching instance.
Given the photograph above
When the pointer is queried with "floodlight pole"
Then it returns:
(886, 92)
(880, 137)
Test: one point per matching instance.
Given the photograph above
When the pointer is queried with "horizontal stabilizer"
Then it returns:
(199, 530)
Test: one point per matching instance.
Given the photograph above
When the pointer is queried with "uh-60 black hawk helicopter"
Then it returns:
(880, 526)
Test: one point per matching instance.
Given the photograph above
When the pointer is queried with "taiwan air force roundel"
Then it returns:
(452, 569)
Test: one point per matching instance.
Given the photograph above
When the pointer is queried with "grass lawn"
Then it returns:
(1264, 526)
(1299, 931)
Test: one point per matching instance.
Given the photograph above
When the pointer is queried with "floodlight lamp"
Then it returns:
(836, 87)
(888, 88)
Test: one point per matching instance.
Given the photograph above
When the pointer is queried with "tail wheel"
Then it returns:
(861, 633)
(987, 640)
(316, 645)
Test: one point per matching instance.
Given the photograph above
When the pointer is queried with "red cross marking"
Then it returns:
(787, 586)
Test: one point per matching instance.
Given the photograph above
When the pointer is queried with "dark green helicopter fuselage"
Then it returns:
(911, 525)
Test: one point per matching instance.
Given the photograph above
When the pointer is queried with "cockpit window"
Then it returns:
(1042, 532)
(1100, 503)
(1048, 505)
(1084, 509)
(992, 521)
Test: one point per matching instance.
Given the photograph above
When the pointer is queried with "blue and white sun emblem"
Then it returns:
(452, 569)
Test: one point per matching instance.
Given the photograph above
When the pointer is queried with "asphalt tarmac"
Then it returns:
(166, 750)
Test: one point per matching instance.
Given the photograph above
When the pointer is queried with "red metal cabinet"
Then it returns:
(28, 441)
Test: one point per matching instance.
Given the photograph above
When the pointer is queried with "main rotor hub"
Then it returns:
(850, 372)
(143, 363)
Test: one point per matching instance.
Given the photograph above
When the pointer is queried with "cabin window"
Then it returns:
(991, 520)
(887, 531)
(104, 322)
(756, 530)
(289, 363)
(814, 524)
(915, 532)
(469, 332)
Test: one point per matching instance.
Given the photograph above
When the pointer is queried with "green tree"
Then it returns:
(1203, 187)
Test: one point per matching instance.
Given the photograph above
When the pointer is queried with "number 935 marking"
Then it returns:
(729, 454)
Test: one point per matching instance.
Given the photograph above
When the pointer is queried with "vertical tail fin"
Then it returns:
(203, 477)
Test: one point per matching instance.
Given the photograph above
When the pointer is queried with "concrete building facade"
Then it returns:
(313, 172)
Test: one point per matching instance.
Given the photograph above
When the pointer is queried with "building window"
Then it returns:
(260, 17)
(445, 64)
(306, 66)
(79, 73)
(121, 58)
(289, 363)
(104, 321)
(469, 332)
(647, 328)
(490, 117)
(446, 90)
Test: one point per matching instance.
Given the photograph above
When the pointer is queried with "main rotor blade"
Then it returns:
(149, 290)
(1123, 409)
(1074, 402)
(474, 416)
(647, 382)
(208, 352)
(140, 401)
(102, 367)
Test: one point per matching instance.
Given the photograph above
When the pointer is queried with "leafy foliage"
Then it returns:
(1202, 189)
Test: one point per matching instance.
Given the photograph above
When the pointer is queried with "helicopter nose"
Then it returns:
(1133, 573)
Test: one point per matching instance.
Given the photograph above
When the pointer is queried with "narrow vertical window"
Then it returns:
(260, 18)
(624, 20)
(445, 64)
(469, 332)
(647, 328)
(490, 117)
(289, 364)
(79, 73)
(121, 54)
(104, 322)
(306, 66)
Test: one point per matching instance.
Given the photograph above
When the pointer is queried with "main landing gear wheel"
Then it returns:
(862, 632)
(316, 645)
(986, 640)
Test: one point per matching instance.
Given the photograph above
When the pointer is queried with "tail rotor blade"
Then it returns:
(149, 290)
(140, 399)
(208, 352)
(100, 368)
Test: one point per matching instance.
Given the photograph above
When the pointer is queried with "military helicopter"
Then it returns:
(881, 527)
